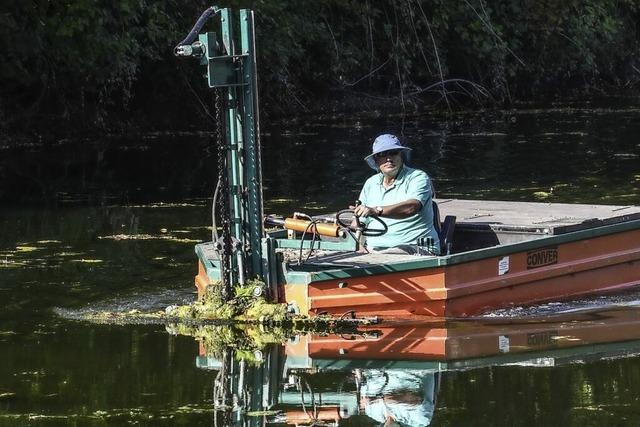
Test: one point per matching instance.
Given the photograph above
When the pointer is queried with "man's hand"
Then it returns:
(363, 211)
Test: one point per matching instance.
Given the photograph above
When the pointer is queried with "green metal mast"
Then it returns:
(231, 70)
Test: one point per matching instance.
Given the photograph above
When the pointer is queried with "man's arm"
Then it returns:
(400, 210)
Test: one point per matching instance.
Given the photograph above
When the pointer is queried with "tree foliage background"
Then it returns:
(97, 64)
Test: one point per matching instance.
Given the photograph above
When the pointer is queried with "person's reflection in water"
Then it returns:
(398, 397)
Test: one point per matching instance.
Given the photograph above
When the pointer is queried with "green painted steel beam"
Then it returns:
(232, 144)
(345, 245)
(234, 136)
(252, 150)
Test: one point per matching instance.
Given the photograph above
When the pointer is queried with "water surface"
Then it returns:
(110, 223)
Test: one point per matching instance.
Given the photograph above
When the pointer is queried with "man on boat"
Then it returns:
(402, 197)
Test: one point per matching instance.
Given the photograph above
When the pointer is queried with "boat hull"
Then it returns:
(522, 276)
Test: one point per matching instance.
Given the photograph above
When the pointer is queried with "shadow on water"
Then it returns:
(111, 224)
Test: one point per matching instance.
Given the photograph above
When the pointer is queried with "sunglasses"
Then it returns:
(385, 154)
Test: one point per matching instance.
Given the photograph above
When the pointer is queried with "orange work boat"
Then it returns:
(501, 254)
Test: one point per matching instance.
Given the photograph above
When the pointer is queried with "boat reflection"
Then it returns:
(390, 375)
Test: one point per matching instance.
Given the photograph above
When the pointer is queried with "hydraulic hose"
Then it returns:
(197, 27)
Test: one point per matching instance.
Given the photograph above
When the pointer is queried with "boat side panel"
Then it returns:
(596, 265)
(606, 279)
(603, 264)
(549, 261)
(201, 280)
(413, 290)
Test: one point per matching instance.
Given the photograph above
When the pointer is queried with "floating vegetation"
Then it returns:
(27, 248)
(250, 341)
(67, 254)
(12, 264)
(119, 237)
(134, 316)
(248, 337)
(281, 200)
(136, 415)
(25, 256)
(200, 227)
(168, 205)
(247, 307)
(625, 156)
(541, 195)
(315, 206)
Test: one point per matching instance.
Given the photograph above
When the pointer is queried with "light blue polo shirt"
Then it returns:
(409, 184)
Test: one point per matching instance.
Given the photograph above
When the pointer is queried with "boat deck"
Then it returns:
(549, 218)
(331, 260)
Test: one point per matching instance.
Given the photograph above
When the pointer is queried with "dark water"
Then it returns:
(110, 223)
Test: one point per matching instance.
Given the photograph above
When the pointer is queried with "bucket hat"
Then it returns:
(386, 142)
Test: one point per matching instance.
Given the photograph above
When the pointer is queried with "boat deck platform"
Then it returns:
(550, 218)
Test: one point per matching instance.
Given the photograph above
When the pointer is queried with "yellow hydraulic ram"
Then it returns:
(303, 225)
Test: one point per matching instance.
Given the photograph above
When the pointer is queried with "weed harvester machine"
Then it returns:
(241, 253)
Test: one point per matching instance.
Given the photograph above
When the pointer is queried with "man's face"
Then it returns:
(389, 162)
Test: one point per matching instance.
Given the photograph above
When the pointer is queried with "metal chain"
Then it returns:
(223, 199)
